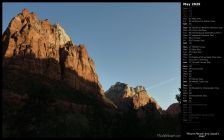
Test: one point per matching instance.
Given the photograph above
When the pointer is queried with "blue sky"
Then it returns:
(134, 43)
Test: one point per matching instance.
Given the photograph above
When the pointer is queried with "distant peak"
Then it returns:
(139, 88)
(119, 92)
(25, 12)
(126, 86)
(120, 84)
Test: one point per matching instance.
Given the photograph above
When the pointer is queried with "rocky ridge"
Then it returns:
(38, 47)
(45, 81)
(126, 97)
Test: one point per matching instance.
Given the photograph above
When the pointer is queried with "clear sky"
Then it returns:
(134, 43)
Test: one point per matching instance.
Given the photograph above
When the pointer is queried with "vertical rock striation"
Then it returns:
(36, 46)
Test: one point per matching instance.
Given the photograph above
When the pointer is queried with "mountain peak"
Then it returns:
(36, 46)
(125, 96)
(63, 37)
(25, 12)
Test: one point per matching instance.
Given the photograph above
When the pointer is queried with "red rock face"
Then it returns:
(126, 97)
(38, 47)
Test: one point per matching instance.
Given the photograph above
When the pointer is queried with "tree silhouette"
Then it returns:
(178, 96)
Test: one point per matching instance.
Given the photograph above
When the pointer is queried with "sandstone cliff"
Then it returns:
(36, 46)
(45, 81)
(126, 97)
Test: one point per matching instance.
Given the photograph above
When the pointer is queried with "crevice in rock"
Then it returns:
(62, 58)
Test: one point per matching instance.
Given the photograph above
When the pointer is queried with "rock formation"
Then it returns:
(126, 97)
(45, 81)
(173, 109)
(36, 46)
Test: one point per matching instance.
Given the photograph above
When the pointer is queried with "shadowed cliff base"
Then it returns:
(18, 67)
(36, 106)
